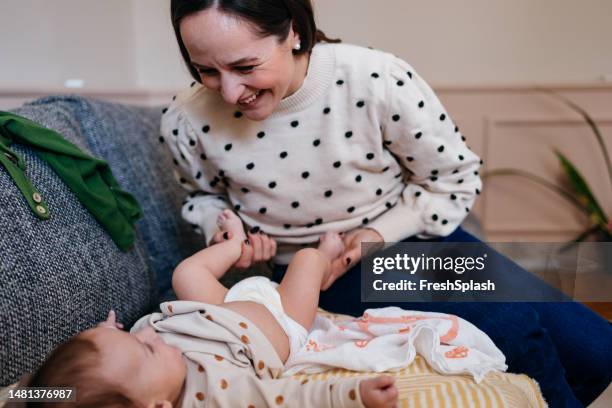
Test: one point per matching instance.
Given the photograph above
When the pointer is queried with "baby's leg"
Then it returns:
(308, 270)
(197, 277)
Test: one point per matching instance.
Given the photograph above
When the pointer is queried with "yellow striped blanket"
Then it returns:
(420, 386)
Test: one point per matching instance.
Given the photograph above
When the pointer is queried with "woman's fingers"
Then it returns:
(257, 243)
(260, 248)
(273, 247)
(263, 238)
(269, 247)
(351, 257)
(246, 257)
(352, 251)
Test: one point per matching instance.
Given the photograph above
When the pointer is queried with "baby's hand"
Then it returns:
(111, 321)
(378, 392)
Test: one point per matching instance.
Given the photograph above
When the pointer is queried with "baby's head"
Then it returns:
(109, 367)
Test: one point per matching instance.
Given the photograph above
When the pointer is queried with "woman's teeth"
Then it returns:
(250, 99)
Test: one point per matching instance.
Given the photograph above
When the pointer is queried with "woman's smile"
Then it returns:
(250, 101)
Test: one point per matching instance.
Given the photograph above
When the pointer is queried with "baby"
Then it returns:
(110, 367)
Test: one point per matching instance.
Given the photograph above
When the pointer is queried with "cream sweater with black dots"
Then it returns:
(363, 142)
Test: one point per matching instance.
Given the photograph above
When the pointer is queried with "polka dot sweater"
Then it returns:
(363, 142)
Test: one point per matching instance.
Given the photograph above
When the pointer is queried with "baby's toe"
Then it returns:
(230, 215)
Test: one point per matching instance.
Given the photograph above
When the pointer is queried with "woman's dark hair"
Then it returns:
(270, 17)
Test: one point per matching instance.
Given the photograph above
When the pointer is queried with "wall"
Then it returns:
(46, 42)
(158, 61)
(129, 44)
(482, 41)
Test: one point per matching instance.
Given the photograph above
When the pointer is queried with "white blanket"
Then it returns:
(389, 338)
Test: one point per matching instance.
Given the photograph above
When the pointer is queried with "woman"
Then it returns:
(300, 137)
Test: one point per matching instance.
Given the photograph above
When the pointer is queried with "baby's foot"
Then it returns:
(231, 225)
(331, 245)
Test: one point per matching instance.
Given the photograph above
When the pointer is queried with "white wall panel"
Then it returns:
(46, 42)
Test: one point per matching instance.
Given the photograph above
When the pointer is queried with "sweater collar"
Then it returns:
(318, 78)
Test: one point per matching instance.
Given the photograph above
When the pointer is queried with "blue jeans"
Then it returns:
(564, 346)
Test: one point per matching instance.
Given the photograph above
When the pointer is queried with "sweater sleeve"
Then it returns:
(240, 390)
(207, 195)
(440, 171)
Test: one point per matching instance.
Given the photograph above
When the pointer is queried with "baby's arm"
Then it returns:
(248, 390)
(197, 277)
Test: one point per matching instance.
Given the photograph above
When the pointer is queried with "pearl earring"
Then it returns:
(297, 46)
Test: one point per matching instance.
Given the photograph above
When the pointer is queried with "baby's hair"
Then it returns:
(74, 364)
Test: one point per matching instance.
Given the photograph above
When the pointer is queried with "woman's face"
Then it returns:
(250, 72)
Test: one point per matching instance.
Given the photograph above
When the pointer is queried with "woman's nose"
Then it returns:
(231, 90)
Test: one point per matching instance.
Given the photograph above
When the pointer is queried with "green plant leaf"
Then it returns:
(585, 234)
(581, 237)
(590, 121)
(582, 189)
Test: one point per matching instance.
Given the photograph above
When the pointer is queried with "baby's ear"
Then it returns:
(160, 404)
(24, 381)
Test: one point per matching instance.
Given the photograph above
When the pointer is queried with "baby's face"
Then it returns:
(141, 363)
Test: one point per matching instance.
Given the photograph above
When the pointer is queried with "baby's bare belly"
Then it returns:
(266, 322)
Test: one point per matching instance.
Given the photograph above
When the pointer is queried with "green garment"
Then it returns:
(89, 178)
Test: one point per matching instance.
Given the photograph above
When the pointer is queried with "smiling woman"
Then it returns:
(300, 137)
(253, 56)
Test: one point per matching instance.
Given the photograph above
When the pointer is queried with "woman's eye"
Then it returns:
(207, 71)
(245, 69)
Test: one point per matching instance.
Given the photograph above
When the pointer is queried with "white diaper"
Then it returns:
(262, 290)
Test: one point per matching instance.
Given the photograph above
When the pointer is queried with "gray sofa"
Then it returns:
(63, 275)
(60, 276)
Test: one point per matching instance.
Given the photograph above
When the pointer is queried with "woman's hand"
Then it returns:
(111, 321)
(256, 248)
(378, 392)
(352, 252)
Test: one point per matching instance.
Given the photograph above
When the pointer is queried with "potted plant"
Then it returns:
(578, 192)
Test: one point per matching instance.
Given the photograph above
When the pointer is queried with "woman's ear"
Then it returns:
(293, 36)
